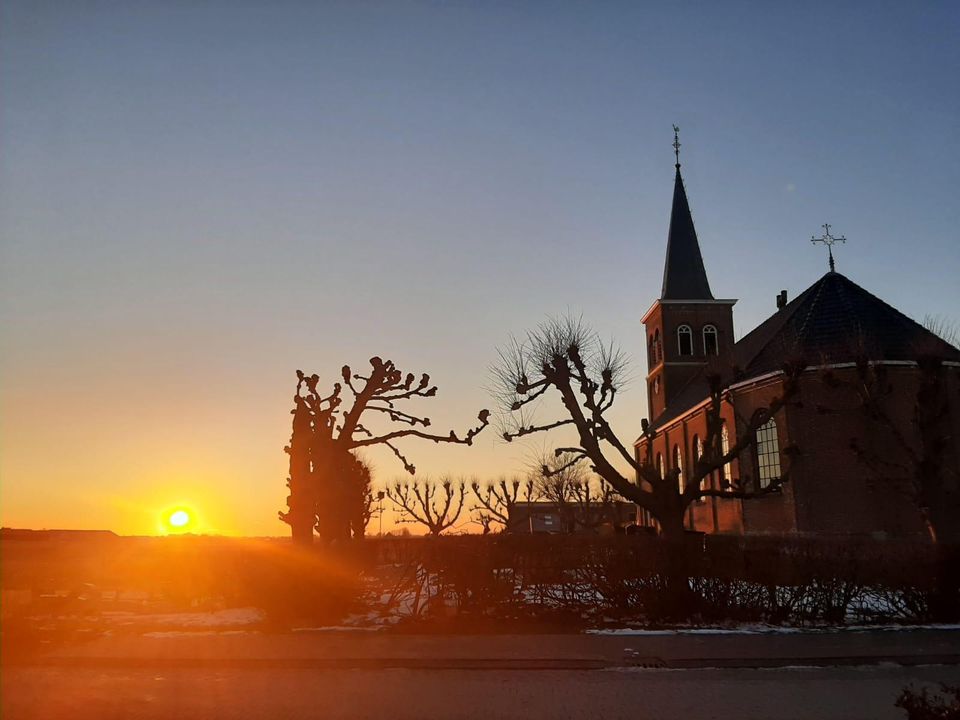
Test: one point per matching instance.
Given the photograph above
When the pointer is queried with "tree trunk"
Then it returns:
(302, 532)
(681, 600)
(945, 603)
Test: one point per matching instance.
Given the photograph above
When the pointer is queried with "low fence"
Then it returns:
(501, 579)
(614, 579)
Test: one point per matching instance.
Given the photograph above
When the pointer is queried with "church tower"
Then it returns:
(687, 328)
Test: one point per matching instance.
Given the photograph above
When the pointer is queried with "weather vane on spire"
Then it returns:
(828, 240)
(676, 144)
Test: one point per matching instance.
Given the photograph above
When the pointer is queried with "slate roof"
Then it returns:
(684, 277)
(834, 320)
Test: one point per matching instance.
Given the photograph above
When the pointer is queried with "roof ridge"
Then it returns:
(890, 307)
(819, 285)
(699, 375)
(784, 315)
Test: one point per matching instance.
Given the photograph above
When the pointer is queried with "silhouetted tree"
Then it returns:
(419, 502)
(564, 358)
(497, 499)
(329, 486)
(582, 500)
(364, 509)
(913, 455)
(943, 328)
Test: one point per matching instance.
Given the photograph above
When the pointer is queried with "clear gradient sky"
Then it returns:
(199, 197)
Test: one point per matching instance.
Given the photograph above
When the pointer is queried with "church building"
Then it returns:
(845, 470)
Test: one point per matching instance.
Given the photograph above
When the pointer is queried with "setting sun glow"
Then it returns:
(179, 519)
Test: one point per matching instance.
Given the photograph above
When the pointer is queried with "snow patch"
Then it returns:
(336, 628)
(219, 618)
(767, 630)
(197, 633)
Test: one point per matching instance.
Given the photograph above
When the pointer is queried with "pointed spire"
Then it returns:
(684, 277)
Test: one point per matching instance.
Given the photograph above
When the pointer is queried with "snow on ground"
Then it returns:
(197, 633)
(229, 617)
(335, 628)
(753, 629)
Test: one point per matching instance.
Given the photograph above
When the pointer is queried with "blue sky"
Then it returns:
(197, 198)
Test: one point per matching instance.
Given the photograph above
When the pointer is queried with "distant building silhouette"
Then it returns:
(17, 534)
(544, 516)
(828, 328)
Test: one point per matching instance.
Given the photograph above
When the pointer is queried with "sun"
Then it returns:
(179, 519)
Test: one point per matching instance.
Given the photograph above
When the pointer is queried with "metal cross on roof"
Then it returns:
(676, 144)
(828, 240)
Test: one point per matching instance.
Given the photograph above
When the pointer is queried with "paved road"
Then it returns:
(399, 694)
(358, 675)
(366, 650)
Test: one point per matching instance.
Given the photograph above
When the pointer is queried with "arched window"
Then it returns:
(660, 465)
(710, 346)
(656, 385)
(685, 340)
(768, 454)
(678, 466)
(651, 352)
(697, 455)
(725, 473)
(657, 348)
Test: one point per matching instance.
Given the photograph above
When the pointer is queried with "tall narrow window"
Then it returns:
(660, 465)
(768, 454)
(678, 466)
(685, 340)
(725, 448)
(710, 346)
(697, 455)
(651, 353)
(657, 349)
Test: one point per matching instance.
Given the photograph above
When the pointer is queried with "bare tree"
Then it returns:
(563, 358)
(943, 328)
(497, 500)
(419, 502)
(911, 454)
(363, 510)
(327, 490)
(582, 499)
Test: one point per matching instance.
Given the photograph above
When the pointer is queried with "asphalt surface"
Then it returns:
(845, 675)
(531, 651)
(823, 693)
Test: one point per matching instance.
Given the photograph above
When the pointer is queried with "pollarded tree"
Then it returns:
(564, 359)
(497, 499)
(328, 487)
(419, 502)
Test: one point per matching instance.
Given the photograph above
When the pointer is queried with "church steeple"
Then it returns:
(684, 277)
(687, 328)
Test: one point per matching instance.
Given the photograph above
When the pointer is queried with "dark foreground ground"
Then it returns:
(845, 675)
(398, 694)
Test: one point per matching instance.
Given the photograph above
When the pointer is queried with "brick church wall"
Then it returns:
(837, 492)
